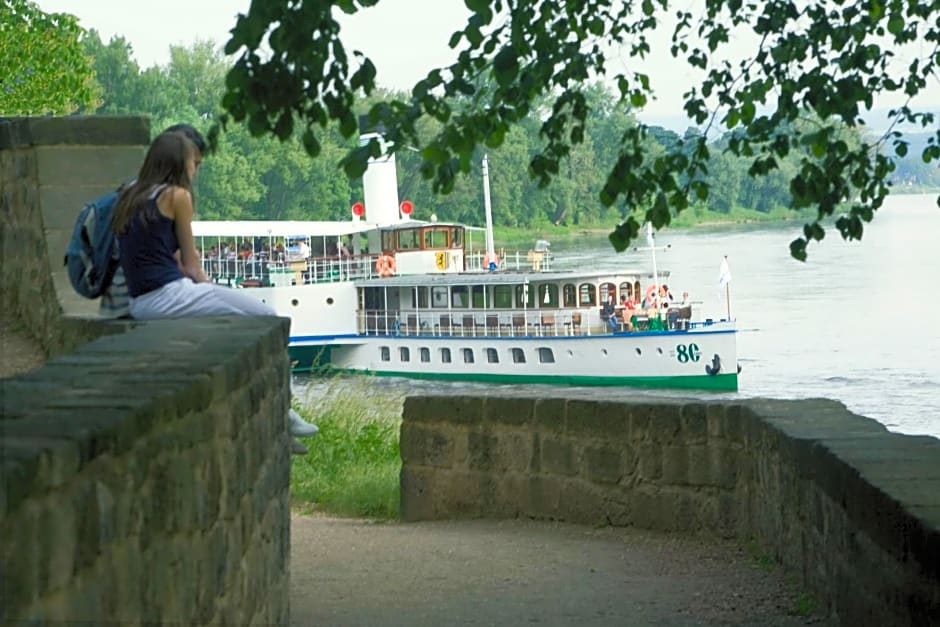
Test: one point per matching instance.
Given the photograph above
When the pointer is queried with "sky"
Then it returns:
(403, 38)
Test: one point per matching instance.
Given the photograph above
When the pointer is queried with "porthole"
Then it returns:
(294, 302)
(638, 351)
(329, 301)
(604, 351)
(659, 350)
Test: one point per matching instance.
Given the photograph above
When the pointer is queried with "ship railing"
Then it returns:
(477, 323)
(518, 260)
(260, 270)
(505, 323)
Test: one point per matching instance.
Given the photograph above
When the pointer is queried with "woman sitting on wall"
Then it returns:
(153, 223)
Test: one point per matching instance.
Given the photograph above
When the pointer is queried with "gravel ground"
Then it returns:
(516, 572)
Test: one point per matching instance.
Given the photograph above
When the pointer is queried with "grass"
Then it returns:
(353, 464)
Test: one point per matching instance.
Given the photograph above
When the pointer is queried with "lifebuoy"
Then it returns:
(385, 265)
(651, 291)
(487, 260)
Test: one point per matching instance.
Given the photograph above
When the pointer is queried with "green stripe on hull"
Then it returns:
(718, 382)
(309, 358)
(317, 359)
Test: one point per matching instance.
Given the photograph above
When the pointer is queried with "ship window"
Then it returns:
(388, 240)
(606, 289)
(404, 354)
(548, 295)
(445, 355)
(546, 356)
(439, 296)
(408, 239)
(502, 296)
(386, 353)
(626, 289)
(435, 238)
(587, 294)
(477, 299)
(459, 296)
(468, 355)
(570, 294)
(425, 355)
(525, 294)
(457, 237)
(422, 297)
(492, 356)
(518, 356)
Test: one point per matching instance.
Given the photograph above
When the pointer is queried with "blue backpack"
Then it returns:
(92, 256)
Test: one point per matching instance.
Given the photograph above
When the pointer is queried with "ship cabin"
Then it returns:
(262, 253)
(503, 304)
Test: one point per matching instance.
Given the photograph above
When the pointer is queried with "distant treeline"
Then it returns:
(251, 178)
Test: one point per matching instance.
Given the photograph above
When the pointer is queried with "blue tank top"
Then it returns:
(147, 249)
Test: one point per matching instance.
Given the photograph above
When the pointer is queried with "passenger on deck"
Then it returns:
(609, 312)
(628, 308)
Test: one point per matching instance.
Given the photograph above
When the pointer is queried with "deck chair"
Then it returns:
(446, 327)
(547, 324)
(492, 324)
(469, 325)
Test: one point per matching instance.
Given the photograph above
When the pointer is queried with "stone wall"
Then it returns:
(49, 168)
(835, 497)
(145, 479)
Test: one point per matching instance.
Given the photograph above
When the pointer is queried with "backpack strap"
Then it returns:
(157, 190)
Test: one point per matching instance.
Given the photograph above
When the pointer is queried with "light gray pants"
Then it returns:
(183, 298)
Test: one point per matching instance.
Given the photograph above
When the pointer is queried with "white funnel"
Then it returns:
(380, 185)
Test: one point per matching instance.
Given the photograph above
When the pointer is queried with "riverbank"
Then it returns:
(694, 218)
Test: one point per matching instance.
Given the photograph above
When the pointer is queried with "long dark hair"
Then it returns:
(165, 163)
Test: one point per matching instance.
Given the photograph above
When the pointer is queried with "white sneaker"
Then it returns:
(297, 447)
(299, 427)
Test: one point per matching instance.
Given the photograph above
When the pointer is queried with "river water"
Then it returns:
(858, 322)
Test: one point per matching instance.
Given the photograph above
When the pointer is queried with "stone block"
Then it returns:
(603, 420)
(602, 464)
(87, 165)
(463, 410)
(559, 457)
(427, 447)
(74, 130)
(19, 568)
(511, 492)
(545, 496)
(581, 502)
(650, 462)
(722, 466)
(694, 423)
(513, 411)
(641, 416)
(417, 494)
(550, 415)
(675, 465)
(665, 424)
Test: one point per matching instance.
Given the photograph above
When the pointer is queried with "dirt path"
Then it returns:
(353, 572)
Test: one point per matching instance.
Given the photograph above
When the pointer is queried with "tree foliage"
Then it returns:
(815, 71)
(43, 68)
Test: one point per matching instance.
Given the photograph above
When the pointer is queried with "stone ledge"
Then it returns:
(99, 130)
(101, 398)
(834, 496)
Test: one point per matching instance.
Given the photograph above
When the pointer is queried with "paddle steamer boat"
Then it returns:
(395, 296)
